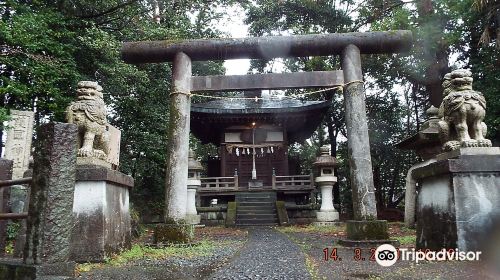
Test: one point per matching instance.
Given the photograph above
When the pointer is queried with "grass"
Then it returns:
(139, 251)
(312, 268)
(406, 240)
(312, 228)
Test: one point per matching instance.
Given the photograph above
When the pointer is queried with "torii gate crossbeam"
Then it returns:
(349, 46)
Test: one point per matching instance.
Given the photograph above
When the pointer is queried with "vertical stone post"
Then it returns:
(5, 174)
(194, 182)
(50, 217)
(360, 163)
(178, 140)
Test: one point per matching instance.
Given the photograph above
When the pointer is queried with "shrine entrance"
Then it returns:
(349, 46)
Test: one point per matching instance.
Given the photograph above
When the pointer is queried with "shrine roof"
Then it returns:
(248, 106)
(299, 118)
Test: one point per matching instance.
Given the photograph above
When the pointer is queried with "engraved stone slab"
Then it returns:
(18, 143)
(114, 145)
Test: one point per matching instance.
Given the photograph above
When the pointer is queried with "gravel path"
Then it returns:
(268, 254)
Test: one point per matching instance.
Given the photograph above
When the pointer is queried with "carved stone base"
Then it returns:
(193, 219)
(327, 216)
(367, 230)
(458, 200)
(173, 233)
(101, 210)
(92, 161)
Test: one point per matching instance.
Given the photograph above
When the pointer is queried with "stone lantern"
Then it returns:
(194, 182)
(326, 179)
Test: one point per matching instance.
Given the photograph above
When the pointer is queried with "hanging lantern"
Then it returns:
(272, 149)
(243, 151)
(237, 152)
(262, 150)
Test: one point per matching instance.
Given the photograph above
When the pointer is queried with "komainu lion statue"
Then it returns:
(89, 113)
(462, 112)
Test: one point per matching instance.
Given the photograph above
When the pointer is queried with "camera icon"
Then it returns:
(386, 255)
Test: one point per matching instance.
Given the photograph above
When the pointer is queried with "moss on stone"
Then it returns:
(173, 233)
(367, 230)
(282, 214)
(231, 214)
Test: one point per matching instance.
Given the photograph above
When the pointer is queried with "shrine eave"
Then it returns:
(298, 118)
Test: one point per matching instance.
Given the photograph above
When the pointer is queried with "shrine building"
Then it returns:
(253, 135)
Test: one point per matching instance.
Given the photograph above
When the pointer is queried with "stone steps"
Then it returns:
(256, 209)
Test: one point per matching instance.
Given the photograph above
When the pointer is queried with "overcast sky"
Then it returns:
(233, 25)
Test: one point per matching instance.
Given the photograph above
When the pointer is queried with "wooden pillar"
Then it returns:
(363, 196)
(178, 140)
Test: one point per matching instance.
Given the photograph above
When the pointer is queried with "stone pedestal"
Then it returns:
(327, 213)
(367, 233)
(101, 210)
(459, 199)
(173, 233)
(192, 216)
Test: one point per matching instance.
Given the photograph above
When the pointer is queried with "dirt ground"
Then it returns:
(351, 264)
(229, 245)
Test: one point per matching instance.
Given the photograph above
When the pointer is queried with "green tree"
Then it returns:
(48, 46)
(303, 17)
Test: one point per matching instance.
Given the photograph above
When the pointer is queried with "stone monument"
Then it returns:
(18, 142)
(101, 198)
(325, 164)
(459, 194)
(18, 149)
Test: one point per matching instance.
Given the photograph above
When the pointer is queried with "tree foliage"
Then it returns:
(48, 46)
(400, 87)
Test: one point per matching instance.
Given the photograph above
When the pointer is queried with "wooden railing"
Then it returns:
(10, 183)
(219, 184)
(293, 182)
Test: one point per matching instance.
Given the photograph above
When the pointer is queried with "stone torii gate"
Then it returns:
(349, 46)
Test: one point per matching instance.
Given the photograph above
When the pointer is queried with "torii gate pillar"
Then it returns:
(178, 140)
(363, 196)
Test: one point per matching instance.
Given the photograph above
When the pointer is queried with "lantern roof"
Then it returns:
(325, 159)
(193, 164)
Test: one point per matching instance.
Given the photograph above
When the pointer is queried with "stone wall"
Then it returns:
(301, 214)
